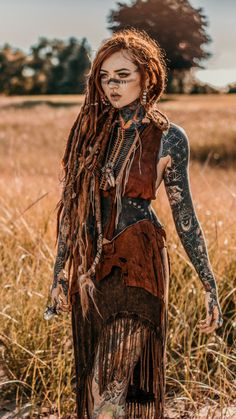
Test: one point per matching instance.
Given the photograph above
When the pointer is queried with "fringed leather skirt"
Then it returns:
(127, 341)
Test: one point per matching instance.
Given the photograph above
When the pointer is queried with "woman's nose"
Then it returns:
(113, 83)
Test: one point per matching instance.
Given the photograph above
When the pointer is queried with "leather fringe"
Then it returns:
(136, 410)
(152, 360)
(117, 335)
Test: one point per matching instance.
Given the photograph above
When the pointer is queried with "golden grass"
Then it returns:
(210, 119)
(37, 357)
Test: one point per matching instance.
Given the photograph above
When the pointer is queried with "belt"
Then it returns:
(133, 210)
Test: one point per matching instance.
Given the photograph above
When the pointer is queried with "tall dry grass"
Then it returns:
(37, 357)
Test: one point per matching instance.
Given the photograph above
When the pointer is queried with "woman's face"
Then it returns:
(120, 79)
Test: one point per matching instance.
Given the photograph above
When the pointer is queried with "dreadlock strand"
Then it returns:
(86, 285)
(95, 104)
(59, 209)
(76, 146)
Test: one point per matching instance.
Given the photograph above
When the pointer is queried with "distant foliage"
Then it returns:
(232, 88)
(12, 64)
(202, 88)
(179, 29)
(51, 67)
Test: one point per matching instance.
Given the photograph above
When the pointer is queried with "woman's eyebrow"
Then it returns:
(116, 71)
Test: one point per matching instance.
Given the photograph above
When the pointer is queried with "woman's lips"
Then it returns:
(115, 96)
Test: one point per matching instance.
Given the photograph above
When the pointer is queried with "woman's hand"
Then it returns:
(59, 295)
(214, 318)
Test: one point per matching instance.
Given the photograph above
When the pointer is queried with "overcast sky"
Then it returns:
(23, 21)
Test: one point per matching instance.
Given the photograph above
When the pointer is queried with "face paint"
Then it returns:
(120, 79)
(116, 81)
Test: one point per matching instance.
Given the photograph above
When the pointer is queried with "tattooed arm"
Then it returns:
(59, 289)
(176, 180)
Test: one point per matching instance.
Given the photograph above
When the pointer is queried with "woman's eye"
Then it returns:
(120, 75)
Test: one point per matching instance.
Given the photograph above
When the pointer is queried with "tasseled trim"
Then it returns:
(152, 341)
(92, 194)
(118, 203)
(152, 358)
(86, 284)
(136, 410)
(140, 154)
(130, 161)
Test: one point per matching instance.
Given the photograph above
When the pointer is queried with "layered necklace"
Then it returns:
(122, 144)
(121, 152)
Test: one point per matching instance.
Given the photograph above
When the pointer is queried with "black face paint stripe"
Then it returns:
(117, 81)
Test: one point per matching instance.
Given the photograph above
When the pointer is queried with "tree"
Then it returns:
(60, 66)
(51, 67)
(76, 62)
(39, 66)
(179, 29)
(231, 88)
(12, 62)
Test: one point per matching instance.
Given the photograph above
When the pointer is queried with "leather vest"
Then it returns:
(139, 190)
(136, 206)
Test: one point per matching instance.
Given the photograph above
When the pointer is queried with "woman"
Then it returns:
(120, 149)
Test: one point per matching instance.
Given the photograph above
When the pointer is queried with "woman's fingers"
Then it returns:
(59, 298)
(64, 308)
(208, 328)
(54, 295)
(211, 323)
(203, 325)
(62, 300)
(207, 321)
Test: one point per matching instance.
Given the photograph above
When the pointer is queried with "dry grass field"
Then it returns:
(36, 357)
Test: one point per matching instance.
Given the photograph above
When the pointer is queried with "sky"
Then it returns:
(22, 22)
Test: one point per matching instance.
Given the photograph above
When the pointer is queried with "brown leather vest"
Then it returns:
(143, 184)
(142, 177)
(140, 248)
(140, 184)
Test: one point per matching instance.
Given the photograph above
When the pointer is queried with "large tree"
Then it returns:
(179, 29)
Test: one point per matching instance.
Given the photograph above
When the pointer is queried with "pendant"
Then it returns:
(111, 179)
(108, 172)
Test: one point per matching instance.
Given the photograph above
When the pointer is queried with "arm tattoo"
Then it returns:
(176, 180)
(62, 255)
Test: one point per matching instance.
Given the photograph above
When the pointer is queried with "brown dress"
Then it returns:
(132, 282)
